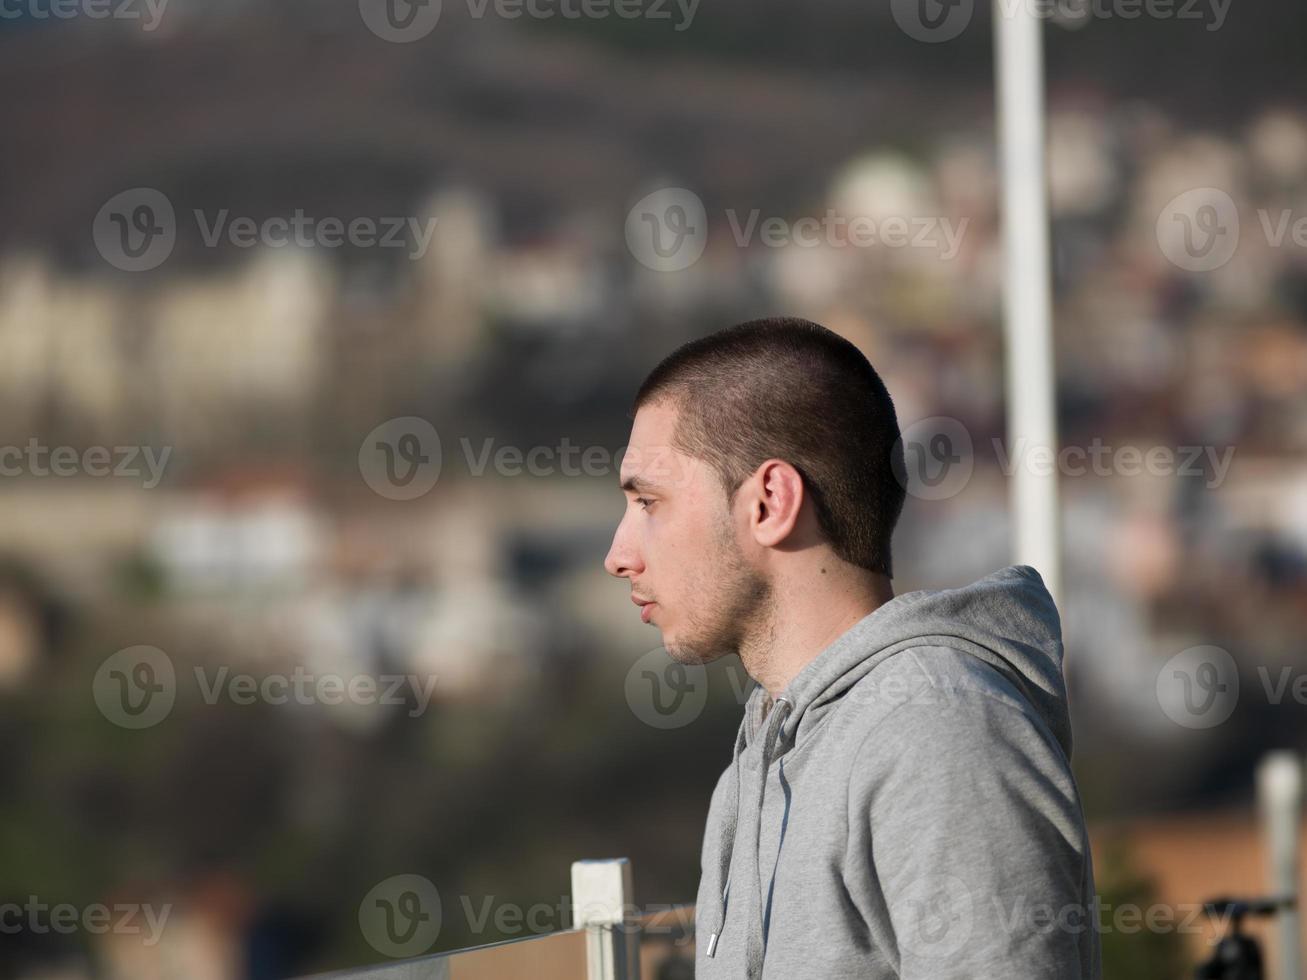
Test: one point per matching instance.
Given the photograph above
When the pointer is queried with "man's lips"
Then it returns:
(646, 607)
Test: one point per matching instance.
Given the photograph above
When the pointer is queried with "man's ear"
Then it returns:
(777, 499)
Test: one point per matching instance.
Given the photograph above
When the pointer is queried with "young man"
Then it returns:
(900, 802)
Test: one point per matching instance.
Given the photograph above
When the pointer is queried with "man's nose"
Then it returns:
(622, 560)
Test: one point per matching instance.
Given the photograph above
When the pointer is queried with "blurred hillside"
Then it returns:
(256, 378)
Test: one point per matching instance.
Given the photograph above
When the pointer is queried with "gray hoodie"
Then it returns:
(906, 808)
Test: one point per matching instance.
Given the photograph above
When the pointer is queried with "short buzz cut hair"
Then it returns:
(787, 388)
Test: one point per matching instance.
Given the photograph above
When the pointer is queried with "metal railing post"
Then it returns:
(603, 903)
(1279, 792)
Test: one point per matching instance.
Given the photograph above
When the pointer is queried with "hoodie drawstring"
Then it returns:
(755, 946)
(728, 845)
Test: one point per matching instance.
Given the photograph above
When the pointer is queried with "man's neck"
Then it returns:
(804, 622)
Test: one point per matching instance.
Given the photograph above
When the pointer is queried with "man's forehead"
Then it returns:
(654, 422)
(651, 461)
(653, 467)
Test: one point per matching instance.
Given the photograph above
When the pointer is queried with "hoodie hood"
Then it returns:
(1007, 619)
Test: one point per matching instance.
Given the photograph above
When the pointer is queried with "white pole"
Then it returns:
(1279, 794)
(603, 903)
(1019, 67)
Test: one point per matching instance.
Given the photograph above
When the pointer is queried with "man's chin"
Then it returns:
(689, 653)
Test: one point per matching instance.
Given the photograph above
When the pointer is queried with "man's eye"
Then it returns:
(643, 502)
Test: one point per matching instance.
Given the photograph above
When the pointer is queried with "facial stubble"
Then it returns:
(733, 614)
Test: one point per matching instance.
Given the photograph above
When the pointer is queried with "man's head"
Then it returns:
(754, 452)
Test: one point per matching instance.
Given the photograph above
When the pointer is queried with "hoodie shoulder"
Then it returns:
(948, 681)
(935, 698)
(1006, 620)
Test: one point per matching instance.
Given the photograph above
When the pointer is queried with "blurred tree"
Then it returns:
(1145, 953)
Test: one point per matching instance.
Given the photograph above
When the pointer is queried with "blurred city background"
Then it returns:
(219, 403)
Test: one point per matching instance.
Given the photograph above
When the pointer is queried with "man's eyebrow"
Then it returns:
(638, 484)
